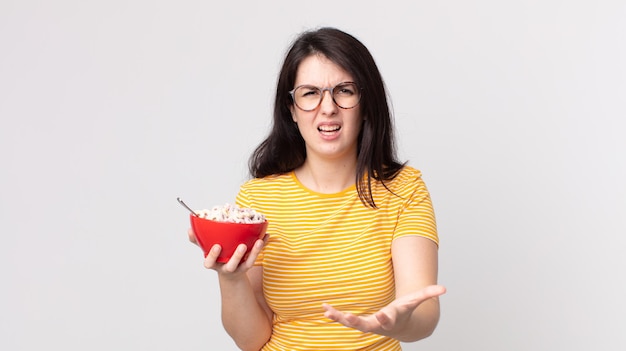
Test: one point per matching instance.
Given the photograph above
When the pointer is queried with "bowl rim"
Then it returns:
(226, 222)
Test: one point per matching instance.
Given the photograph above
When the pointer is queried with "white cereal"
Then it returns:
(231, 213)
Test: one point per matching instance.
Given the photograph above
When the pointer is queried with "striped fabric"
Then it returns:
(331, 248)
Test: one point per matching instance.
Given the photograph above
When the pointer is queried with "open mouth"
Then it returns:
(329, 128)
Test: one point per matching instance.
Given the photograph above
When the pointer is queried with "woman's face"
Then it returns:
(329, 132)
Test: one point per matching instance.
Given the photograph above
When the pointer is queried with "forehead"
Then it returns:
(318, 70)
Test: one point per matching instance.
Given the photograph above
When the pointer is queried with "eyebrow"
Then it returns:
(321, 87)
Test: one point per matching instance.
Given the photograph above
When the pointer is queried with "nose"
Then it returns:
(328, 104)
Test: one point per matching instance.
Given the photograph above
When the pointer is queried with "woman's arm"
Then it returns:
(414, 314)
(245, 318)
(245, 314)
(415, 265)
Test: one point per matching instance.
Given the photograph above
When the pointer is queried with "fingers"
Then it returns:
(365, 324)
(333, 313)
(210, 261)
(192, 236)
(407, 303)
(256, 250)
(235, 259)
(237, 262)
(386, 321)
(428, 293)
(240, 260)
(330, 311)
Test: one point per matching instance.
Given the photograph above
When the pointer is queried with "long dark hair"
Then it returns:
(284, 149)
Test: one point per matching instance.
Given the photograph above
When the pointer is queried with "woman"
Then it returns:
(350, 259)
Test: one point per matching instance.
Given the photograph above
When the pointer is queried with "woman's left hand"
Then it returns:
(390, 318)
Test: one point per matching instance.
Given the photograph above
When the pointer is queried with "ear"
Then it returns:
(293, 114)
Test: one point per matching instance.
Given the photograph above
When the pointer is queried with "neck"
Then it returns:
(327, 176)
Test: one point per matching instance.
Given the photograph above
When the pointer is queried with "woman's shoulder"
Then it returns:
(406, 181)
(409, 173)
(268, 181)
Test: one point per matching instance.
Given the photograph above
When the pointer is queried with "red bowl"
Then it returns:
(227, 234)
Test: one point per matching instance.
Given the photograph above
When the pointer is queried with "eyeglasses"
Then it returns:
(346, 95)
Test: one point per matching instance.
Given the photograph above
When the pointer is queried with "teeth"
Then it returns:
(328, 128)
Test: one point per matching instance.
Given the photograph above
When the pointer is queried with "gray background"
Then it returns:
(513, 110)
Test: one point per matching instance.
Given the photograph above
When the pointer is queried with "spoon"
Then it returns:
(187, 207)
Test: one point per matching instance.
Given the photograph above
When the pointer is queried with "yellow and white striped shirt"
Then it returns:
(331, 248)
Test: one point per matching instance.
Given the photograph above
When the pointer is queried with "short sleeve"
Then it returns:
(416, 215)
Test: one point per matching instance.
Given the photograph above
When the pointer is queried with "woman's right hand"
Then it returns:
(236, 265)
(192, 236)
